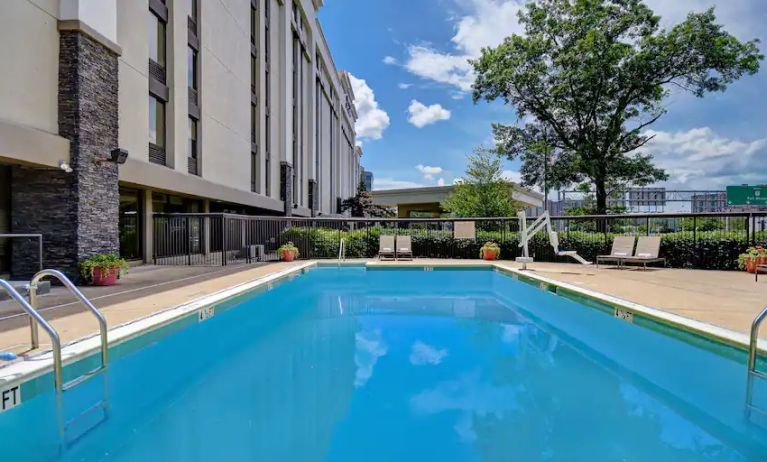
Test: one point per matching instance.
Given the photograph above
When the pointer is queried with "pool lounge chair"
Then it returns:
(404, 248)
(759, 269)
(623, 246)
(386, 248)
(647, 251)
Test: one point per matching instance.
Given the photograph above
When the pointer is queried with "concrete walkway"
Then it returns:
(724, 298)
(144, 290)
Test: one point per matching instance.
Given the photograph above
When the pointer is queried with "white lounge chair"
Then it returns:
(647, 251)
(404, 248)
(386, 248)
(623, 246)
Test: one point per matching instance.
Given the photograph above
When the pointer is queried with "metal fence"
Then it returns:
(689, 240)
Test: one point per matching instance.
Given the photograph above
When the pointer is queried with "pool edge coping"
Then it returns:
(18, 373)
(37, 365)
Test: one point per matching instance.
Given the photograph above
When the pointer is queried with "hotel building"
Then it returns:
(230, 106)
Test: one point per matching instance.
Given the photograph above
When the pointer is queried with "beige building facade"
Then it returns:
(232, 106)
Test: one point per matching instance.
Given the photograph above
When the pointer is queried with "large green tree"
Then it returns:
(482, 192)
(591, 75)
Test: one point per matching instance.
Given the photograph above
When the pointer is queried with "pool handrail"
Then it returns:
(84, 300)
(36, 318)
(752, 346)
(752, 354)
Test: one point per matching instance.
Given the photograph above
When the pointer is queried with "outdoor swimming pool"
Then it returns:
(356, 364)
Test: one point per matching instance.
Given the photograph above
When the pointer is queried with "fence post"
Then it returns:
(188, 226)
(748, 235)
(223, 240)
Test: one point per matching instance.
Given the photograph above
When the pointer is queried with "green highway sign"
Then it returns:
(747, 195)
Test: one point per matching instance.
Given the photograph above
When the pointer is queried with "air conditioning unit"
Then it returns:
(255, 252)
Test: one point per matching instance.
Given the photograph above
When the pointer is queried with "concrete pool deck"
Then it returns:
(722, 298)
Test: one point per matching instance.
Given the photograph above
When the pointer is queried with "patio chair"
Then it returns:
(623, 246)
(647, 251)
(386, 248)
(404, 248)
(759, 269)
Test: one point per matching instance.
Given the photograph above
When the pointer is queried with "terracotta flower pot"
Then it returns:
(288, 255)
(752, 263)
(489, 254)
(105, 276)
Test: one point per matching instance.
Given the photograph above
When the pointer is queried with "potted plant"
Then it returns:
(490, 251)
(288, 252)
(753, 257)
(103, 269)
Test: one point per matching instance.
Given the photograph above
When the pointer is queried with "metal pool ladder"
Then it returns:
(752, 371)
(57, 365)
(341, 250)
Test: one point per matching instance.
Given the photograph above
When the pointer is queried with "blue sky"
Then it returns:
(418, 122)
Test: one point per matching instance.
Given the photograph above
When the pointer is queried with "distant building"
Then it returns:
(709, 202)
(366, 177)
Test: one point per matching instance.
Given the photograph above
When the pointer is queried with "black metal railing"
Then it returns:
(709, 241)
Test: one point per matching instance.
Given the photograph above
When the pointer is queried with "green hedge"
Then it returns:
(704, 250)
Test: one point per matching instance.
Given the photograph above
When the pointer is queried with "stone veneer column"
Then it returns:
(77, 212)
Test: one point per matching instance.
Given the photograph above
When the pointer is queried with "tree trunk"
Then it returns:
(601, 192)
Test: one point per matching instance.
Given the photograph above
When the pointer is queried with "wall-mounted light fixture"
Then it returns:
(118, 156)
(65, 166)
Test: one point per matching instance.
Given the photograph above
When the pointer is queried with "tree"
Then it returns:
(361, 205)
(482, 192)
(593, 74)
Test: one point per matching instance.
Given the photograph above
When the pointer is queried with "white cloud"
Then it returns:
(391, 183)
(743, 18)
(428, 171)
(422, 354)
(422, 115)
(404, 86)
(486, 23)
(369, 346)
(511, 175)
(372, 121)
(701, 158)
(390, 60)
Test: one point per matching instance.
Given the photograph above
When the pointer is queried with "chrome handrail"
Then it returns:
(752, 346)
(342, 250)
(752, 353)
(55, 340)
(76, 292)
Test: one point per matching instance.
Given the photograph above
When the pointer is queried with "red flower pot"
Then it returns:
(105, 276)
(488, 254)
(752, 263)
(287, 255)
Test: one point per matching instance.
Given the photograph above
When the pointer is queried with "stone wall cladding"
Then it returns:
(77, 212)
(43, 202)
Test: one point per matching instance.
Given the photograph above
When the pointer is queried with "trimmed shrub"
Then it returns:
(703, 250)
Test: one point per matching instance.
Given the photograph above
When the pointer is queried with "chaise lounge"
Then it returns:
(647, 251)
(386, 248)
(623, 246)
(404, 248)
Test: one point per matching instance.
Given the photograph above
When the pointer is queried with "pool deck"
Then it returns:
(721, 298)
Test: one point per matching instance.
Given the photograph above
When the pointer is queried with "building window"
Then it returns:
(192, 9)
(156, 122)
(254, 174)
(192, 138)
(192, 68)
(156, 39)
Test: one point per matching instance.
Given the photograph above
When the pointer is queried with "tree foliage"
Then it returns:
(593, 74)
(483, 192)
(361, 205)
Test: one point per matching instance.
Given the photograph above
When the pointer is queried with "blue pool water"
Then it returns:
(403, 365)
